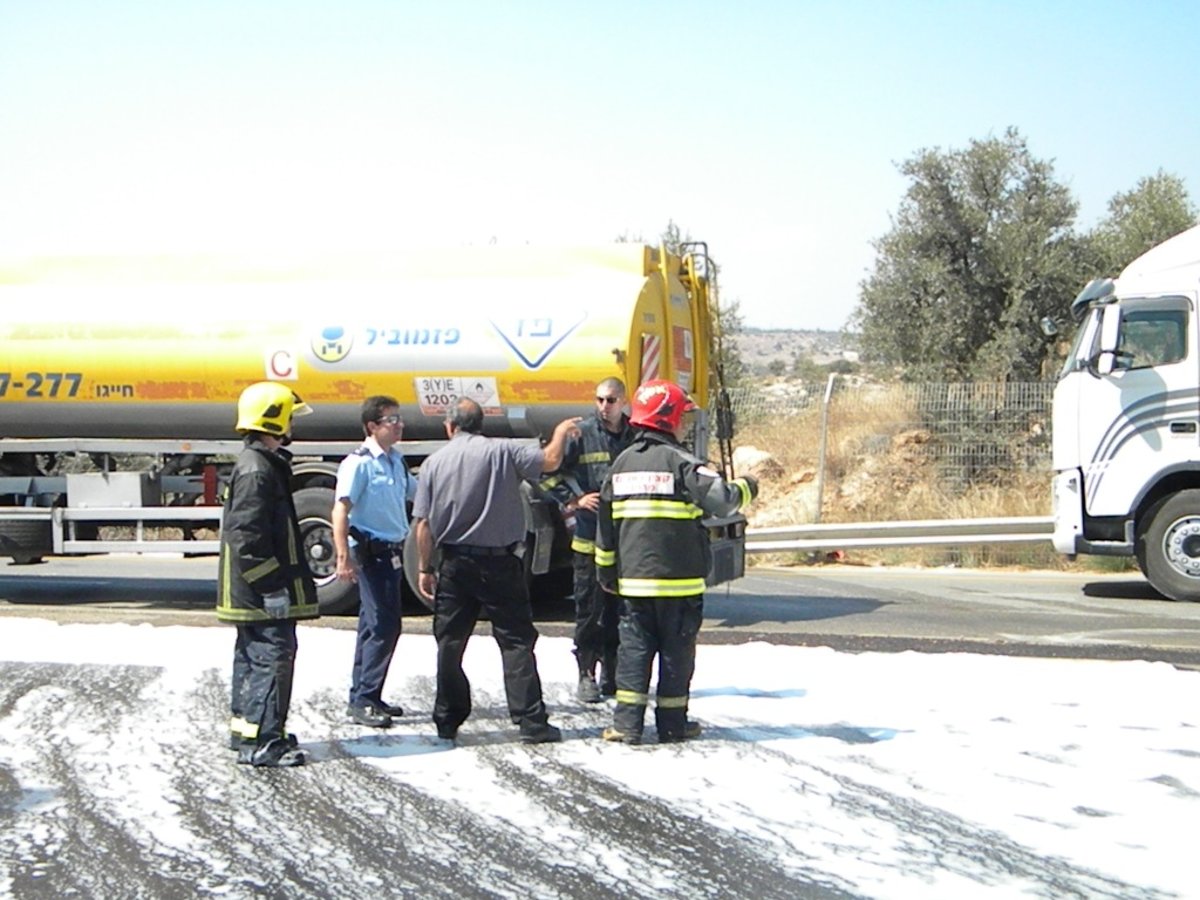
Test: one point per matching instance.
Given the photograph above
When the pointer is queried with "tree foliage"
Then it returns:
(1157, 208)
(980, 249)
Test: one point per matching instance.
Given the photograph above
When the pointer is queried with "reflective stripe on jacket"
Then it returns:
(651, 541)
(586, 461)
(261, 547)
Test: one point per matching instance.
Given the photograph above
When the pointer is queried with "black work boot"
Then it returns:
(541, 734)
(587, 692)
(369, 715)
(690, 730)
(276, 754)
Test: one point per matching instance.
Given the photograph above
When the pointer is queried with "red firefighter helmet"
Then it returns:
(660, 405)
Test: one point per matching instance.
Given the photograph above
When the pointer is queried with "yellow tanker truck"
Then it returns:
(136, 366)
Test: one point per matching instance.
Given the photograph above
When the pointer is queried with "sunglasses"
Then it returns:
(608, 400)
(388, 420)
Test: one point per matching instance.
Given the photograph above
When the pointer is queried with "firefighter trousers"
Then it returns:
(666, 627)
(597, 619)
(264, 659)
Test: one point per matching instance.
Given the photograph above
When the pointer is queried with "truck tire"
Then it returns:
(26, 540)
(410, 595)
(314, 509)
(1168, 546)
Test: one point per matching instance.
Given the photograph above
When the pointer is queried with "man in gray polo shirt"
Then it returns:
(468, 506)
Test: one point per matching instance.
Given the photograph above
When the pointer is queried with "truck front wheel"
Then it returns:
(1168, 546)
(314, 509)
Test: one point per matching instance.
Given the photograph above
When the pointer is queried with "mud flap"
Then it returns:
(541, 528)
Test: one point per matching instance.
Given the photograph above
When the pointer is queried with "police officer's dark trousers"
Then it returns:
(264, 659)
(379, 625)
(597, 617)
(495, 585)
(668, 627)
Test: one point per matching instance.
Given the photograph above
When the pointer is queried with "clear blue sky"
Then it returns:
(769, 129)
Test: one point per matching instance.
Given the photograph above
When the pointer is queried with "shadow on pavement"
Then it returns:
(25, 585)
(752, 609)
(66, 590)
(1134, 589)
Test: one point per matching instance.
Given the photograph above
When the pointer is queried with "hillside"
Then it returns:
(759, 348)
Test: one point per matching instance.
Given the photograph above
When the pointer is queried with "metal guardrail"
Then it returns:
(779, 539)
(925, 532)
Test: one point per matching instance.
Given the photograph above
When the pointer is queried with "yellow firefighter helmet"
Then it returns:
(269, 407)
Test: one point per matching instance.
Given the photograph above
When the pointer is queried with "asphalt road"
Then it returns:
(112, 783)
(1053, 614)
(844, 607)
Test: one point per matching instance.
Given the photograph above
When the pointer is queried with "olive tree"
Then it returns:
(1157, 208)
(981, 248)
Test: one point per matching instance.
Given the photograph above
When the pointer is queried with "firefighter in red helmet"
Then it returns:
(652, 549)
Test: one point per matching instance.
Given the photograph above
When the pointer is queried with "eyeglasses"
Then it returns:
(608, 400)
(389, 420)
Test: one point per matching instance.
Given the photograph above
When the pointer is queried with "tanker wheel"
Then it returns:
(410, 594)
(314, 509)
(26, 540)
(1168, 546)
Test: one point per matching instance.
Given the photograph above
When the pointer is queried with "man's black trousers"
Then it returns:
(494, 586)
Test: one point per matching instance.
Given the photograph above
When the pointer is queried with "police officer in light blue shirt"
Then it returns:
(370, 523)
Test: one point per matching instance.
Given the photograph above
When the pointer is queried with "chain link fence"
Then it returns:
(892, 451)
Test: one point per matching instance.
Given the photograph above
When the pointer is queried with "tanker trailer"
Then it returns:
(119, 377)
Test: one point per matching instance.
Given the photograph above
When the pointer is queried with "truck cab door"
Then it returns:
(1138, 412)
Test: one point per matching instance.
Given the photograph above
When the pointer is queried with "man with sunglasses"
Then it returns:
(370, 523)
(576, 487)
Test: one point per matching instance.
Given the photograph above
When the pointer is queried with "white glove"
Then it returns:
(276, 605)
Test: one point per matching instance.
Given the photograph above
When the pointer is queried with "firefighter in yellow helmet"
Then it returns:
(652, 549)
(264, 584)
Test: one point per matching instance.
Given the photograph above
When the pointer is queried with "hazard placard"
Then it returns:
(437, 393)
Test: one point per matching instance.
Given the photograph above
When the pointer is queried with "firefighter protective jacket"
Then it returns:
(586, 460)
(261, 548)
(651, 541)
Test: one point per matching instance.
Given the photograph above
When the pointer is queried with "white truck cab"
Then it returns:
(1126, 429)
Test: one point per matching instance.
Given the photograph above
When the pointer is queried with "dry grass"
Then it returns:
(878, 468)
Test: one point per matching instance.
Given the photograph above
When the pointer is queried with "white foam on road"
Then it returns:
(882, 773)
